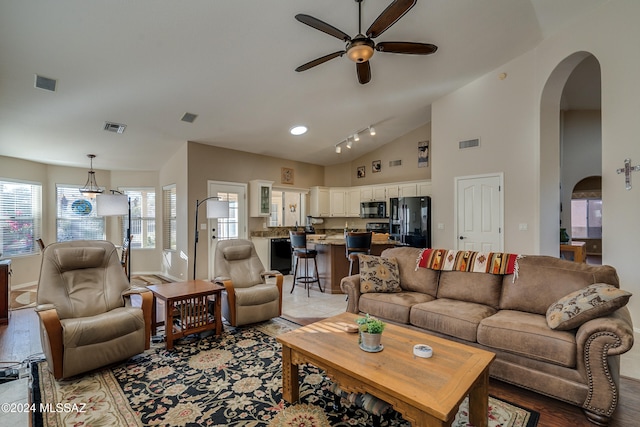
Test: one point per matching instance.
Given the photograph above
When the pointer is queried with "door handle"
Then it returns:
(462, 237)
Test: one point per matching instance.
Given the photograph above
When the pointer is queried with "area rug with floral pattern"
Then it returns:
(231, 380)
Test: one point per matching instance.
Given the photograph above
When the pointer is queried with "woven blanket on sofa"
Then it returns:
(470, 261)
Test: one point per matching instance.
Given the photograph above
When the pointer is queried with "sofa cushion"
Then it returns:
(378, 274)
(574, 309)
(542, 280)
(481, 288)
(527, 334)
(458, 319)
(412, 278)
(391, 306)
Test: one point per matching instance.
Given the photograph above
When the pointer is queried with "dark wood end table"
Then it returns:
(187, 308)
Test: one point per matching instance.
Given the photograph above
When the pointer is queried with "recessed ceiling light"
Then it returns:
(298, 130)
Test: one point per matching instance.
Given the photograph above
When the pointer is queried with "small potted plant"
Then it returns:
(370, 333)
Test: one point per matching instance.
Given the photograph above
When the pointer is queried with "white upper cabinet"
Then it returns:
(353, 202)
(320, 202)
(260, 198)
(338, 202)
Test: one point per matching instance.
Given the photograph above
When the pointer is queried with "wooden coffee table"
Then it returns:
(427, 392)
(187, 308)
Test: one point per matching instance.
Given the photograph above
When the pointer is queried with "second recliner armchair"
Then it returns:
(249, 296)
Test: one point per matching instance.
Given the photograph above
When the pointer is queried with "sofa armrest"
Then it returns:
(350, 285)
(598, 340)
(51, 336)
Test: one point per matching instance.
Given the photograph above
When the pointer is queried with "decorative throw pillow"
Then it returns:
(585, 304)
(379, 274)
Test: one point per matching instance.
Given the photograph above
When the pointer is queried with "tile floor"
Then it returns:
(317, 304)
(295, 304)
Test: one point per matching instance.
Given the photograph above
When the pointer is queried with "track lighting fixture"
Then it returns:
(349, 143)
(356, 137)
(338, 149)
(372, 131)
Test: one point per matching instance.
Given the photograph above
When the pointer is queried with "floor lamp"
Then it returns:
(216, 208)
(116, 205)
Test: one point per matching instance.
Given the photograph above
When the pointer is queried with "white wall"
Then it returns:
(506, 116)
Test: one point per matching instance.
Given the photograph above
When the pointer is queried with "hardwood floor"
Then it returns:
(21, 339)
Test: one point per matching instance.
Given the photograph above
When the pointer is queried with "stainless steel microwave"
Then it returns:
(373, 210)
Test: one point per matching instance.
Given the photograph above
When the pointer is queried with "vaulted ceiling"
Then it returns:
(145, 63)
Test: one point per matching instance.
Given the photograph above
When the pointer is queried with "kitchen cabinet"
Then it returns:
(260, 198)
(374, 193)
(424, 189)
(262, 249)
(320, 202)
(338, 203)
(353, 202)
(5, 290)
(408, 190)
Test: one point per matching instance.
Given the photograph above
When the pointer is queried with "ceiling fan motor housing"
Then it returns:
(360, 49)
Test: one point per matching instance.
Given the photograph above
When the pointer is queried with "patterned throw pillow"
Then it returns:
(585, 304)
(378, 274)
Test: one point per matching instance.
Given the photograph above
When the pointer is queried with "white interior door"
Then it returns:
(233, 227)
(479, 213)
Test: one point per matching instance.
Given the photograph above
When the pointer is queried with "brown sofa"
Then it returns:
(508, 317)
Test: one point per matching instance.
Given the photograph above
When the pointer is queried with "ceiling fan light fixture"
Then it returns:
(360, 49)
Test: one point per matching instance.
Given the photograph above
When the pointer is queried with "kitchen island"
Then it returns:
(332, 260)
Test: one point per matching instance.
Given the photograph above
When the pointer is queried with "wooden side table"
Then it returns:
(577, 249)
(187, 308)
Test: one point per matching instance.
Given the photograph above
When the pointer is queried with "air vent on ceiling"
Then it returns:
(393, 163)
(470, 143)
(189, 117)
(114, 127)
(45, 83)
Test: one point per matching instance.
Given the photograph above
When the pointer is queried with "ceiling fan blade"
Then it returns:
(364, 72)
(323, 26)
(320, 60)
(407, 47)
(389, 16)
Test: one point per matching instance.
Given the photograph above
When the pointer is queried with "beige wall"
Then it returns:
(207, 163)
(518, 128)
(175, 262)
(404, 148)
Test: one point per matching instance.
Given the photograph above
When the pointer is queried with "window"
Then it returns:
(170, 222)
(286, 208)
(143, 217)
(76, 215)
(20, 218)
(586, 218)
(228, 227)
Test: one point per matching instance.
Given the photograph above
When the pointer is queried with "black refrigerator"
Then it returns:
(410, 221)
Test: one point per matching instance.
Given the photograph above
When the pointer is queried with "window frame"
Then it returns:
(145, 221)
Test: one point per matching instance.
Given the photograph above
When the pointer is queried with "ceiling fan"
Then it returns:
(361, 48)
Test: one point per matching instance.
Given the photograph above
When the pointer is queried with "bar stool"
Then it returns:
(300, 251)
(356, 243)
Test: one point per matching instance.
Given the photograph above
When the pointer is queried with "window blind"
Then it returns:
(76, 215)
(20, 218)
(169, 206)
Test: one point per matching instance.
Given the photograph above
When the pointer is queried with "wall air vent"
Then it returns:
(470, 143)
(189, 117)
(45, 83)
(393, 163)
(114, 127)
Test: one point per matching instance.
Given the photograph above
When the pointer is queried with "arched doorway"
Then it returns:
(562, 119)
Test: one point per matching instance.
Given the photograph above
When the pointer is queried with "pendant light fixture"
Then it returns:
(91, 188)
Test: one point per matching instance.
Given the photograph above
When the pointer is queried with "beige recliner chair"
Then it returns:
(249, 297)
(86, 317)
